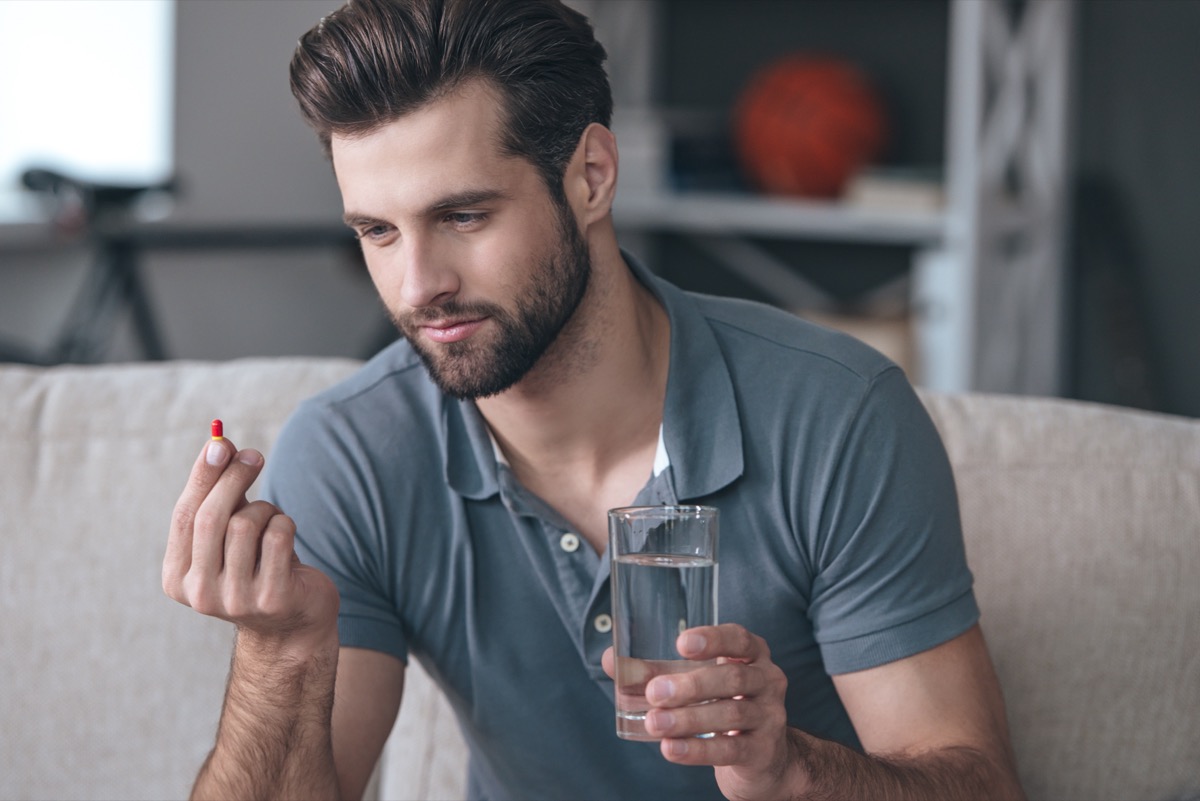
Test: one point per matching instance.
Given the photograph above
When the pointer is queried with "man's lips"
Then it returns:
(445, 333)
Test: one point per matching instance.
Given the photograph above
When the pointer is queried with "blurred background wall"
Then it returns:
(244, 158)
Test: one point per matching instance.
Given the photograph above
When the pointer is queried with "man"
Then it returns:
(449, 500)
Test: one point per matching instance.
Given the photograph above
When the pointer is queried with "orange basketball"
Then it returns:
(805, 124)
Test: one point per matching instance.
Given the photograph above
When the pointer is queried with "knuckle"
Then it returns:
(746, 680)
(242, 527)
(182, 518)
(205, 519)
(172, 586)
(198, 594)
(284, 524)
(266, 506)
(280, 530)
(235, 603)
(739, 750)
(740, 715)
(777, 680)
(762, 646)
(776, 717)
(192, 585)
(272, 605)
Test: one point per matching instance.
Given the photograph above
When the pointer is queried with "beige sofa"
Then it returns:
(1083, 529)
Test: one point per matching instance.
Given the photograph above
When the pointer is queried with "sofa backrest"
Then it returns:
(1082, 526)
(108, 689)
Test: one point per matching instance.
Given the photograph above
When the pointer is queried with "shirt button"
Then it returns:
(603, 623)
(569, 543)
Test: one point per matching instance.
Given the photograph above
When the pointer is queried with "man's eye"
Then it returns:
(374, 232)
(465, 219)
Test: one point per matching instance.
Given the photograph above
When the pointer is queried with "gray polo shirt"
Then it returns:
(840, 540)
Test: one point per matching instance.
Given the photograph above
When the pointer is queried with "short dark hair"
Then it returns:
(372, 61)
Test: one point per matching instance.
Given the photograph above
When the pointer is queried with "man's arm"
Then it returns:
(369, 687)
(283, 732)
(300, 724)
(935, 722)
(932, 725)
(274, 737)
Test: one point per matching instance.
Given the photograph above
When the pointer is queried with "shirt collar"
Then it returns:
(661, 460)
(700, 440)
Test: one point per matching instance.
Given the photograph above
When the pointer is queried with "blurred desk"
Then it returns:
(114, 280)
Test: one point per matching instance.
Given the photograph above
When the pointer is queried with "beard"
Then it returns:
(471, 369)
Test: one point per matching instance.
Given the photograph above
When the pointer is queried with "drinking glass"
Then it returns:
(664, 580)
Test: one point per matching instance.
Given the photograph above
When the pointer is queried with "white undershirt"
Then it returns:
(661, 460)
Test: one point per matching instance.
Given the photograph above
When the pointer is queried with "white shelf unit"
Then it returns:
(734, 214)
(987, 270)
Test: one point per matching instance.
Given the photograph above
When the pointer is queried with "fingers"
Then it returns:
(225, 497)
(718, 714)
(243, 537)
(728, 640)
(729, 680)
(197, 546)
(734, 646)
(234, 559)
(733, 749)
(608, 662)
(209, 465)
(278, 554)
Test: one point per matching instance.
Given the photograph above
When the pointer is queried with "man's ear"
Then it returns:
(591, 175)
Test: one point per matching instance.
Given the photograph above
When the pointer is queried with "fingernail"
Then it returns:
(692, 643)
(676, 747)
(251, 458)
(663, 720)
(216, 454)
(660, 690)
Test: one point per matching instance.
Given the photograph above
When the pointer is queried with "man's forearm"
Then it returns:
(832, 771)
(274, 736)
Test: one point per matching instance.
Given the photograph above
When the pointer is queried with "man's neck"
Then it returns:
(582, 428)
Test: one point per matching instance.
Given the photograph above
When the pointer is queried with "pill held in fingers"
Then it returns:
(215, 452)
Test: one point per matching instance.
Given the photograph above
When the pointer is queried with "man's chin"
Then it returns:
(468, 389)
(468, 379)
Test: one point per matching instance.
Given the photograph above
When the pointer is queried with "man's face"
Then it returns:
(476, 265)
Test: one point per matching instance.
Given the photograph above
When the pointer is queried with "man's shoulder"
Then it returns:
(394, 374)
(753, 332)
(359, 434)
(390, 395)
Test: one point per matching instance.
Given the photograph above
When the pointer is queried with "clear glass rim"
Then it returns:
(663, 510)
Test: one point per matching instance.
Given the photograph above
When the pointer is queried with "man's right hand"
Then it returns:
(234, 559)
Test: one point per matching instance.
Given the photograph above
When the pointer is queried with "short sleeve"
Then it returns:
(319, 474)
(891, 578)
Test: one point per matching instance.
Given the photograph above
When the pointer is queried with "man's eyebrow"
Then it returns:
(353, 219)
(457, 200)
(469, 197)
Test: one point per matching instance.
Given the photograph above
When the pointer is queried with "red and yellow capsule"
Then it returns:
(218, 430)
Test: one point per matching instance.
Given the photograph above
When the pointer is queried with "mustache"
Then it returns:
(450, 311)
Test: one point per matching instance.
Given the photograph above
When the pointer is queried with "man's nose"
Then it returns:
(428, 276)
